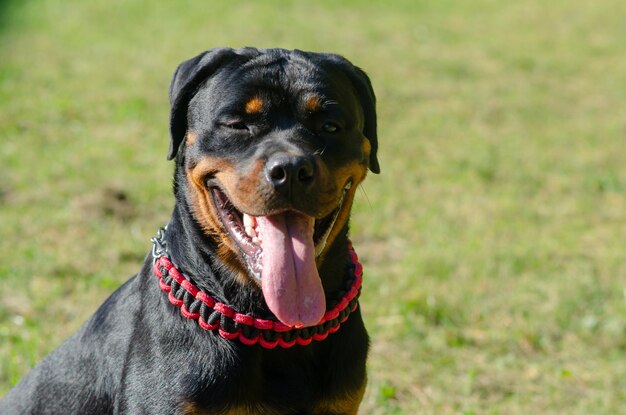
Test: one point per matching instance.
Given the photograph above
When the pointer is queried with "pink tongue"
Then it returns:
(291, 284)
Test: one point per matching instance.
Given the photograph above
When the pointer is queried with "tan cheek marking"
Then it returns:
(357, 172)
(254, 105)
(366, 148)
(245, 190)
(191, 138)
(313, 103)
(206, 214)
(202, 207)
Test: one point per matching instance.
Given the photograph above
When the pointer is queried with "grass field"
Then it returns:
(493, 242)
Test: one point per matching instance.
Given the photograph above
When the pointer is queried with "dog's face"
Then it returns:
(273, 145)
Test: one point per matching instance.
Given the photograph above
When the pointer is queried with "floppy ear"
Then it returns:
(364, 88)
(187, 77)
(367, 98)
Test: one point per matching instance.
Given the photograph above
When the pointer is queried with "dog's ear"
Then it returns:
(364, 88)
(367, 98)
(187, 77)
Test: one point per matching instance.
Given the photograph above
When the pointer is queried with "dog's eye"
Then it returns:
(330, 127)
(236, 125)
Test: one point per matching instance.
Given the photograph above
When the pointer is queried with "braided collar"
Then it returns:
(222, 319)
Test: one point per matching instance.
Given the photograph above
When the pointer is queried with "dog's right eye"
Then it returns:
(236, 125)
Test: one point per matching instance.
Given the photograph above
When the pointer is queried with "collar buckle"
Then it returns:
(159, 245)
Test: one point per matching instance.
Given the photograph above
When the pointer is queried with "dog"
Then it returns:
(248, 301)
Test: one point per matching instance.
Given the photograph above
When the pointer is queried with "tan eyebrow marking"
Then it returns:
(313, 103)
(254, 105)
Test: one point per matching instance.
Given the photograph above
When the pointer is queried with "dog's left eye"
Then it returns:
(330, 127)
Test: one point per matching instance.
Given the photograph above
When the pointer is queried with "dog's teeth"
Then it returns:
(251, 232)
(249, 221)
(250, 226)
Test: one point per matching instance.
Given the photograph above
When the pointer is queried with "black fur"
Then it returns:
(137, 354)
(191, 73)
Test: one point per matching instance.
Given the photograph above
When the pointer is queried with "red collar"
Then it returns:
(214, 316)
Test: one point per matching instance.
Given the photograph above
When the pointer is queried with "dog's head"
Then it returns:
(273, 145)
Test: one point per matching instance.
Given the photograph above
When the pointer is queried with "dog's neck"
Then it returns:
(194, 253)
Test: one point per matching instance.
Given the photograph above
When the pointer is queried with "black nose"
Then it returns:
(290, 174)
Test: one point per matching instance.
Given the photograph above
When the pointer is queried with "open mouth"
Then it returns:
(280, 251)
(246, 231)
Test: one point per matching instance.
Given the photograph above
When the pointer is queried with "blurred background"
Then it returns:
(493, 241)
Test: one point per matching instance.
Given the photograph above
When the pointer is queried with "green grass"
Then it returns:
(493, 242)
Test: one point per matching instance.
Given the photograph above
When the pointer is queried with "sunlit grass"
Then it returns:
(493, 241)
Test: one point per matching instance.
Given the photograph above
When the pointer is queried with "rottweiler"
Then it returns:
(247, 302)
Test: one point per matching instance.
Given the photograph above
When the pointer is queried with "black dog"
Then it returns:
(248, 302)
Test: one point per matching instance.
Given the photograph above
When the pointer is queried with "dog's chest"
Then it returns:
(293, 384)
(343, 407)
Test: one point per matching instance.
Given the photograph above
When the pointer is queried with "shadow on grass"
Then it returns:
(7, 9)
